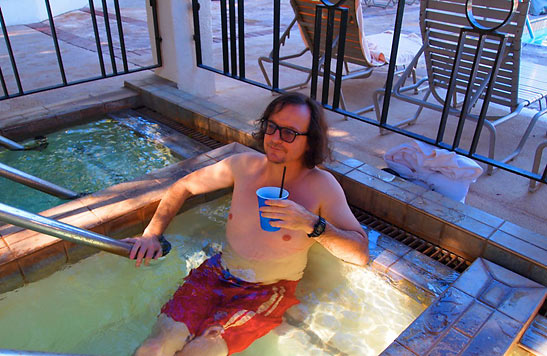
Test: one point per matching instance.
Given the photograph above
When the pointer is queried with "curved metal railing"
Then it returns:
(68, 232)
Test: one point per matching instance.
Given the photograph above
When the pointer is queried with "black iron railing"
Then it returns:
(104, 71)
(233, 49)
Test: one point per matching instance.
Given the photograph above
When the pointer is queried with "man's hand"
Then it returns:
(291, 215)
(147, 247)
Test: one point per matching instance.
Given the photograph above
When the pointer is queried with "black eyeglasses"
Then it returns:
(286, 134)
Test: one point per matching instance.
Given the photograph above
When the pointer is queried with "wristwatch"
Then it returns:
(318, 228)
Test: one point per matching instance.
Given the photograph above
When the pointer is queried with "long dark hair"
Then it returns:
(318, 150)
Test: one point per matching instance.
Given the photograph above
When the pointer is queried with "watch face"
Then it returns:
(318, 228)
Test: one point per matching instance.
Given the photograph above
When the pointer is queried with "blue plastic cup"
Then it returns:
(269, 193)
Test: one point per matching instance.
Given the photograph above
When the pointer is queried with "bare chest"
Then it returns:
(243, 228)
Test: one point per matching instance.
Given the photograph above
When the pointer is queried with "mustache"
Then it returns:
(277, 147)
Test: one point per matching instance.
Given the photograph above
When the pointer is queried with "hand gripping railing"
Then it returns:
(68, 232)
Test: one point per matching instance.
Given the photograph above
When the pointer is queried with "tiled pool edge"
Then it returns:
(114, 210)
(462, 229)
(373, 190)
(485, 311)
(50, 118)
(467, 231)
(126, 208)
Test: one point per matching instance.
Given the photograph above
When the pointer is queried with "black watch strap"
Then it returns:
(318, 228)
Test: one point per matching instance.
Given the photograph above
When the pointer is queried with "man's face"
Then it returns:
(296, 118)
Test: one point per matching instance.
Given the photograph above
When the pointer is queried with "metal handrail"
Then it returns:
(111, 53)
(68, 232)
(36, 183)
(12, 145)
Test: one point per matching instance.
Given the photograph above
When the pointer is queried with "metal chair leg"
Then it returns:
(535, 169)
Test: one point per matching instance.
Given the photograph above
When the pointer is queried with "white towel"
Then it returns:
(438, 169)
(379, 46)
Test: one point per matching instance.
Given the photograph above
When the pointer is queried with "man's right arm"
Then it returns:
(204, 180)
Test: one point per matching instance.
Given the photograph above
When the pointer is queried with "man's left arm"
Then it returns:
(343, 236)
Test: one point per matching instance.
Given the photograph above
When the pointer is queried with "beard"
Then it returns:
(275, 154)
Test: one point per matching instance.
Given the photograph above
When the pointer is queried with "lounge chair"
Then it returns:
(360, 51)
(514, 87)
(535, 168)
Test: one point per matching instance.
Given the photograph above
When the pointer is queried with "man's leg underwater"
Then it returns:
(210, 343)
(167, 337)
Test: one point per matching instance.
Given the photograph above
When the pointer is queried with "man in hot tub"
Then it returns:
(240, 295)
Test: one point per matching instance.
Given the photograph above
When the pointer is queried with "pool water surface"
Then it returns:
(85, 159)
(103, 305)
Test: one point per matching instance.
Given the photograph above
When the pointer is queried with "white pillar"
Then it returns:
(176, 28)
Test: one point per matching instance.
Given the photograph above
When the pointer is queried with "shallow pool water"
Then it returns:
(103, 305)
(84, 158)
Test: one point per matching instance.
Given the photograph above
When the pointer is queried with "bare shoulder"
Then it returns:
(245, 161)
(324, 179)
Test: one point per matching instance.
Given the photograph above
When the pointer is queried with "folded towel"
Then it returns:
(379, 46)
(421, 158)
(438, 169)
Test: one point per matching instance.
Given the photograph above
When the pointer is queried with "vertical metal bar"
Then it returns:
(157, 36)
(241, 37)
(328, 54)
(393, 61)
(10, 53)
(486, 100)
(451, 86)
(316, 45)
(340, 57)
(56, 42)
(224, 25)
(109, 37)
(120, 34)
(276, 28)
(3, 82)
(97, 37)
(233, 35)
(197, 31)
(469, 90)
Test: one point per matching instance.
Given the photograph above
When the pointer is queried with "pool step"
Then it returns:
(193, 134)
(534, 339)
(180, 144)
(484, 312)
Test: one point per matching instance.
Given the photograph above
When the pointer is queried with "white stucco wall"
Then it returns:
(17, 12)
(176, 29)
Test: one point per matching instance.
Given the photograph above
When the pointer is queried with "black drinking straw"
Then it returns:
(282, 182)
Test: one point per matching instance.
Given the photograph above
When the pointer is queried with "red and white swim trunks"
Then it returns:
(211, 296)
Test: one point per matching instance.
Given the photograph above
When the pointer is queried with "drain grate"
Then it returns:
(445, 257)
(193, 134)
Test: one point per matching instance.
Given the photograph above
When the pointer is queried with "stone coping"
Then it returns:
(126, 208)
(467, 312)
(42, 120)
(120, 210)
(485, 312)
(459, 228)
